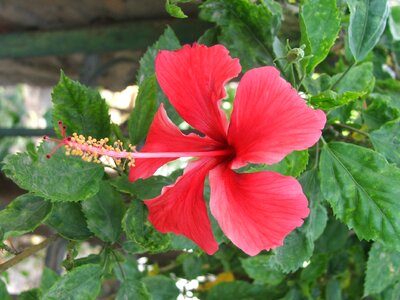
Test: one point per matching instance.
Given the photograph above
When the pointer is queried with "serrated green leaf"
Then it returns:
(319, 25)
(68, 219)
(82, 283)
(60, 178)
(161, 287)
(298, 246)
(362, 189)
(379, 111)
(333, 238)
(358, 82)
(247, 29)
(262, 269)
(140, 232)
(386, 141)
(167, 41)
(367, 22)
(296, 249)
(144, 111)
(22, 215)
(359, 79)
(316, 222)
(80, 108)
(133, 290)
(174, 10)
(104, 212)
(128, 270)
(49, 277)
(292, 165)
(142, 189)
(394, 22)
(390, 88)
(383, 269)
(391, 293)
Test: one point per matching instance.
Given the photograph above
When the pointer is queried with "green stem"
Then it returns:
(316, 155)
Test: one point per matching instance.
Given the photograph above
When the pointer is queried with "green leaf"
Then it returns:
(22, 215)
(32, 294)
(81, 109)
(140, 232)
(333, 290)
(334, 237)
(296, 249)
(247, 29)
(383, 269)
(394, 22)
(298, 246)
(359, 79)
(319, 25)
(128, 270)
(82, 283)
(161, 287)
(60, 178)
(174, 10)
(358, 82)
(392, 293)
(379, 111)
(133, 290)
(390, 88)
(104, 212)
(144, 111)
(292, 165)
(362, 189)
(316, 222)
(167, 41)
(191, 266)
(68, 219)
(386, 141)
(367, 22)
(316, 268)
(3, 291)
(49, 277)
(142, 189)
(262, 269)
(237, 290)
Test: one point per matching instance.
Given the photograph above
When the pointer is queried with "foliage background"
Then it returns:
(343, 56)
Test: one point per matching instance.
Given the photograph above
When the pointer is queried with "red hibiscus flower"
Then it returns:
(269, 120)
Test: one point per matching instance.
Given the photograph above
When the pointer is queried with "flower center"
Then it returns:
(91, 149)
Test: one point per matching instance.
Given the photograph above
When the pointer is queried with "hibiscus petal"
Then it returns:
(193, 79)
(270, 119)
(164, 136)
(181, 208)
(256, 210)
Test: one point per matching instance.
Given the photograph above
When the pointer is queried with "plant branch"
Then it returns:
(27, 252)
(351, 128)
